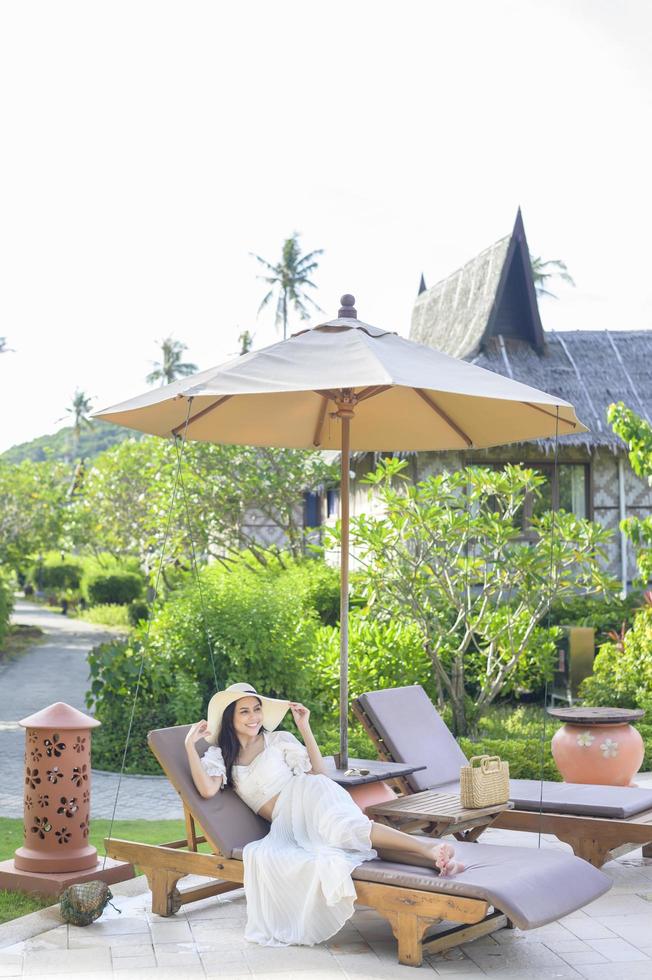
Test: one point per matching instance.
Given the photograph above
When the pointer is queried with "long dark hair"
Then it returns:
(228, 740)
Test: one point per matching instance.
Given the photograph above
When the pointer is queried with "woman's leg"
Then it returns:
(440, 854)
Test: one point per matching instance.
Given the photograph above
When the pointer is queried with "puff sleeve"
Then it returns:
(294, 752)
(213, 763)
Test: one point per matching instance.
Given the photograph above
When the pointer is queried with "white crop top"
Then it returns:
(282, 758)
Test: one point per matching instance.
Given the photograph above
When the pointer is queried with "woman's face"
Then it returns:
(247, 717)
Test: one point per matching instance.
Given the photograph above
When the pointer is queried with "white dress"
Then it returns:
(297, 879)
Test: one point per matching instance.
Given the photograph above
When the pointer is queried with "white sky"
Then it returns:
(148, 147)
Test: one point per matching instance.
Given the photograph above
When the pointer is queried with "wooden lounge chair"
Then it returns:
(499, 887)
(599, 822)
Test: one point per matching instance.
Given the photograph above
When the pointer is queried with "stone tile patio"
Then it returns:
(609, 940)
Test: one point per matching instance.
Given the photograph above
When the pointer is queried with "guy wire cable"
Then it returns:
(194, 564)
(149, 621)
(555, 504)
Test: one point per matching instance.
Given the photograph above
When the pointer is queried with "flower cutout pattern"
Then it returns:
(36, 755)
(41, 827)
(68, 807)
(29, 802)
(609, 748)
(585, 740)
(32, 778)
(43, 800)
(79, 744)
(84, 826)
(55, 774)
(80, 775)
(86, 796)
(33, 736)
(54, 746)
(62, 836)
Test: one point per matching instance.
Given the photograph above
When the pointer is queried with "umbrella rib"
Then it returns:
(544, 412)
(371, 392)
(316, 441)
(193, 418)
(440, 412)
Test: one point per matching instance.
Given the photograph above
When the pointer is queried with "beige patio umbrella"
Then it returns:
(346, 385)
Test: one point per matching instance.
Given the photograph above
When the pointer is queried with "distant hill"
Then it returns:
(93, 441)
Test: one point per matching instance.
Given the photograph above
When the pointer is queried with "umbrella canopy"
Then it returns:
(348, 385)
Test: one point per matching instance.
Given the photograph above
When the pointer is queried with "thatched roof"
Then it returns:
(490, 295)
(589, 368)
(487, 313)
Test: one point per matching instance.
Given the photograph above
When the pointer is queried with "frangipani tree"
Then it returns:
(449, 555)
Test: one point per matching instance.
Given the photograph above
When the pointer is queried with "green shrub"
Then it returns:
(523, 755)
(603, 614)
(623, 678)
(56, 573)
(136, 611)
(6, 604)
(107, 615)
(114, 587)
(261, 632)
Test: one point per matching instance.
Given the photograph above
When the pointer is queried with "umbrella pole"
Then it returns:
(343, 762)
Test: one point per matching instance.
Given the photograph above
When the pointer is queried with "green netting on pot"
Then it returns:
(82, 904)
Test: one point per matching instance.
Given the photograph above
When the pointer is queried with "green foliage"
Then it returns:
(623, 677)
(447, 555)
(6, 604)
(381, 655)
(523, 755)
(56, 447)
(604, 614)
(319, 586)
(137, 611)
(637, 434)
(33, 510)
(56, 572)
(107, 615)
(119, 588)
(261, 630)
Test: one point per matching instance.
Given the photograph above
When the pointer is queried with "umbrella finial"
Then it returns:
(347, 309)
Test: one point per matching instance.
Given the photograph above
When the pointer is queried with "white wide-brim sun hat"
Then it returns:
(274, 709)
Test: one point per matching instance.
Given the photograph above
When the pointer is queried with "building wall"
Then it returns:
(603, 486)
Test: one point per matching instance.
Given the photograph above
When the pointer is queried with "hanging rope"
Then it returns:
(142, 655)
(555, 504)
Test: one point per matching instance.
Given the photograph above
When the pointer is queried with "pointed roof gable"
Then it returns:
(491, 295)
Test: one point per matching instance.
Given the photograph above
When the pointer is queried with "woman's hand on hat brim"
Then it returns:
(301, 715)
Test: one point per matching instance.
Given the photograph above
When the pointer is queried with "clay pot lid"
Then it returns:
(59, 715)
(596, 716)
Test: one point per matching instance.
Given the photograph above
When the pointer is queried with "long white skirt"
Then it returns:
(298, 879)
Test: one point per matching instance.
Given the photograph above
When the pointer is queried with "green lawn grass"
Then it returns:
(15, 904)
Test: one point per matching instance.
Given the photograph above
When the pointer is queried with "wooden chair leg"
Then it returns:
(409, 929)
(590, 849)
(166, 900)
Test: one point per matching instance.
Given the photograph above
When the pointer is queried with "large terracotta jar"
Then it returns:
(598, 745)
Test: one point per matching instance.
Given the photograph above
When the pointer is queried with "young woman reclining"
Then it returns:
(297, 879)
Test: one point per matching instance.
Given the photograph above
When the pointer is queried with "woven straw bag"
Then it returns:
(484, 782)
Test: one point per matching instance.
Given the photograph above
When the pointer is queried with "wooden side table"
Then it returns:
(436, 814)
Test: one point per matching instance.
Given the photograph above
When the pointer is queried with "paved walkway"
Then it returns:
(608, 940)
(56, 670)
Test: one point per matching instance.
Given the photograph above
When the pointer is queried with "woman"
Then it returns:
(298, 878)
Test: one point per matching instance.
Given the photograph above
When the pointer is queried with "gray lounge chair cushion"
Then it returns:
(408, 723)
(532, 887)
(226, 820)
(413, 731)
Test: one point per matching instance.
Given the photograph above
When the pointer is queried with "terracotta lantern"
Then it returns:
(57, 791)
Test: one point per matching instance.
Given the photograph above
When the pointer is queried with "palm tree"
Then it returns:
(290, 276)
(80, 409)
(171, 366)
(246, 340)
(544, 271)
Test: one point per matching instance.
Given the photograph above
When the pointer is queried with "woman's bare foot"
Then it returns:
(443, 857)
